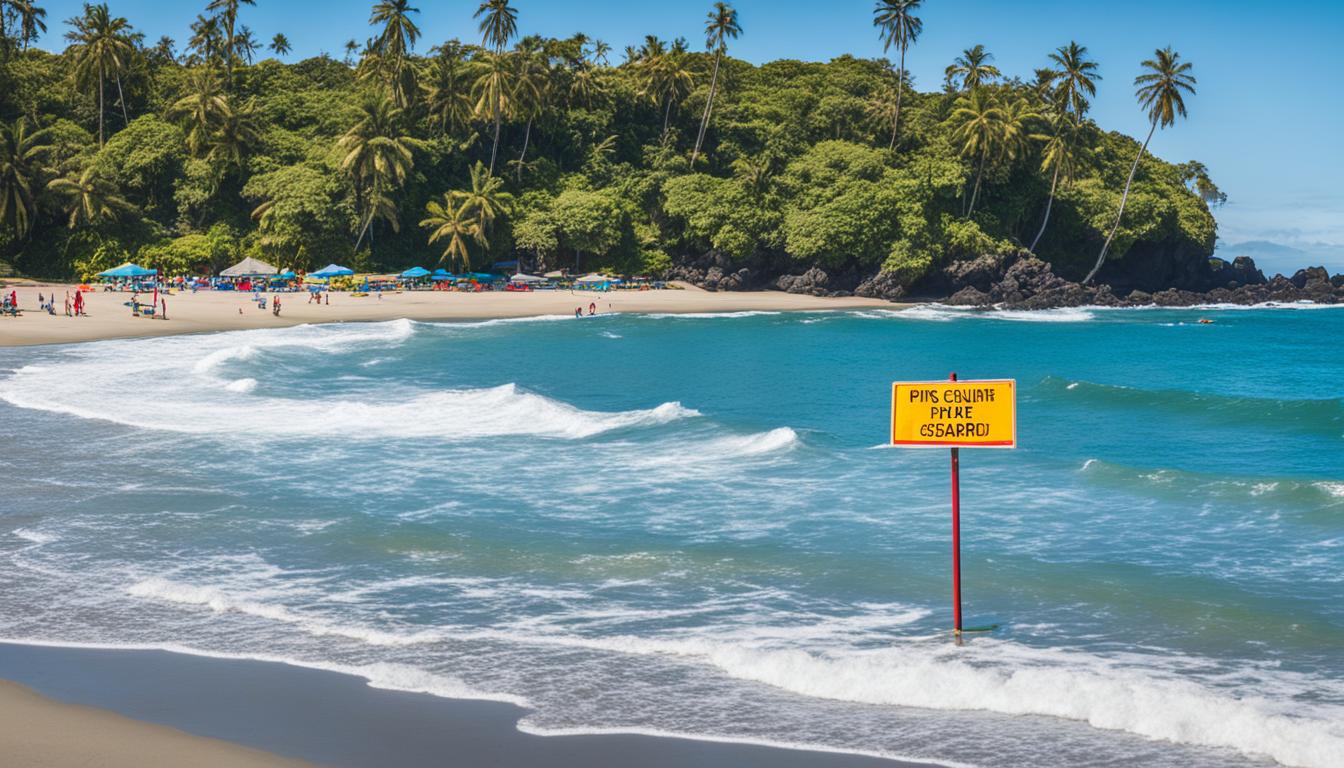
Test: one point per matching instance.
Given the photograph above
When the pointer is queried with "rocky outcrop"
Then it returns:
(1022, 281)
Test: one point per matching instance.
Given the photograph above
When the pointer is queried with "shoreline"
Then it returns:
(212, 311)
(238, 711)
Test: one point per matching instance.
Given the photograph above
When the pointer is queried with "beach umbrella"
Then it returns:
(481, 277)
(416, 272)
(288, 274)
(595, 278)
(332, 270)
(558, 274)
(526, 279)
(128, 270)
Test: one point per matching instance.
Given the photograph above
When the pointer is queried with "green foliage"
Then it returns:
(302, 164)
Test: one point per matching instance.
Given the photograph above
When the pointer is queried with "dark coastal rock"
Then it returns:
(1246, 271)
(970, 296)
(1301, 277)
(883, 285)
(1139, 298)
(814, 281)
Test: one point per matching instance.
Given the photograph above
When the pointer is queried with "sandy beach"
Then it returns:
(110, 318)
(37, 731)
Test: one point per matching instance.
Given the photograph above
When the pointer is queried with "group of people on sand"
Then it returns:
(592, 310)
(9, 304)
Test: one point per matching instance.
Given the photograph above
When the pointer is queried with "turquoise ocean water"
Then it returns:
(690, 524)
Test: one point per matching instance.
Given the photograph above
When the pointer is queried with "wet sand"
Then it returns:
(322, 717)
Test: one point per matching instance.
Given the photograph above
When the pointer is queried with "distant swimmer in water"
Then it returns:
(1205, 321)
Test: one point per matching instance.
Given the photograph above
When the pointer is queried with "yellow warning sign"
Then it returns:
(957, 414)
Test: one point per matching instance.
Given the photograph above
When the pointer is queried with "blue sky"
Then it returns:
(1268, 125)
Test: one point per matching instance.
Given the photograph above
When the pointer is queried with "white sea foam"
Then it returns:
(168, 384)
(383, 675)
(217, 600)
(1013, 679)
(35, 537)
(944, 313)
(712, 315)
(1333, 488)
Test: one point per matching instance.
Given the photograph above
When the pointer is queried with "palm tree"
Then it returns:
(1075, 79)
(32, 20)
(445, 92)
(351, 48)
(378, 159)
(206, 44)
(978, 130)
(531, 93)
(204, 108)
(972, 69)
(280, 44)
(897, 25)
(399, 33)
(1160, 91)
(235, 136)
(165, 51)
(1059, 146)
(245, 45)
(720, 26)
(227, 12)
(451, 219)
(485, 201)
(90, 197)
(493, 92)
(23, 155)
(101, 47)
(665, 79)
(600, 51)
(499, 24)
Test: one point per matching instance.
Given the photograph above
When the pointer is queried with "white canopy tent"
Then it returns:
(597, 279)
(249, 267)
(526, 279)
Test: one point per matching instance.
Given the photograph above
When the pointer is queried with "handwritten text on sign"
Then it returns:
(965, 414)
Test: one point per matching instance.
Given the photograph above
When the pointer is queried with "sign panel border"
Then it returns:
(999, 444)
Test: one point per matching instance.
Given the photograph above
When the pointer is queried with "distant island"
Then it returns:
(671, 158)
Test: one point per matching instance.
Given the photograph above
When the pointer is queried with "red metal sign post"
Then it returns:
(956, 534)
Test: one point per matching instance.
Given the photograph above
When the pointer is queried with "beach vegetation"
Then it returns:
(570, 154)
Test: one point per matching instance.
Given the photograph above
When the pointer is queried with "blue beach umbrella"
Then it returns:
(332, 270)
(128, 270)
(416, 272)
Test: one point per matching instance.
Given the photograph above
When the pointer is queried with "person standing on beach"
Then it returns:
(67, 304)
(79, 303)
(165, 308)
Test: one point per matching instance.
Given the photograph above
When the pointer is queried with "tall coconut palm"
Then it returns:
(445, 88)
(1058, 159)
(32, 20)
(227, 13)
(1074, 78)
(978, 132)
(90, 197)
(499, 24)
(201, 110)
(280, 44)
(101, 47)
(599, 53)
(493, 93)
(399, 32)
(245, 45)
(451, 219)
(377, 157)
(897, 25)
(206, 44)
(351, 48)
(719, 27)
(972, 69)
(1161, 92)
(531, 93)
(665, 81)
(23, 164)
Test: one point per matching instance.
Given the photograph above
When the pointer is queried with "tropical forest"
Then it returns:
(394, 150)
